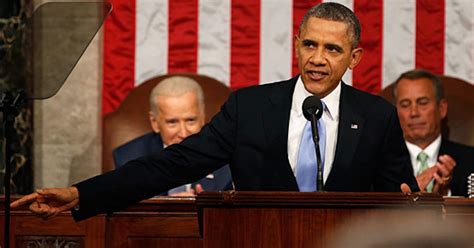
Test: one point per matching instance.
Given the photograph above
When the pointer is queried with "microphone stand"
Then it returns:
(314, 128)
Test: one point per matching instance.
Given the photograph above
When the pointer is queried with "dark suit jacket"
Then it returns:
(250, 133)
(464, 157)
(138, 147)
(149, 143)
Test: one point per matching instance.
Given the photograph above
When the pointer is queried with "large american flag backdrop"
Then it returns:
(248, 42)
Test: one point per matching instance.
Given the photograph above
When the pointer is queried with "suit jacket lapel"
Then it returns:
(444, 148)
(276, 118)
(351, 123)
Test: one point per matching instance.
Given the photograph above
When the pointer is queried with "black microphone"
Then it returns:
(312, 111)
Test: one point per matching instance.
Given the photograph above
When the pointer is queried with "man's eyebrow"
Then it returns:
(330, 45)
(308, 42)
(422, 98)
(335, 46)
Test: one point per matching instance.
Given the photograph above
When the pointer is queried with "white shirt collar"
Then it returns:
(331, 100)
(432, 151)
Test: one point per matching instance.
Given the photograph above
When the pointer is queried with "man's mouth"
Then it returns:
(416, 125)
(316, 75)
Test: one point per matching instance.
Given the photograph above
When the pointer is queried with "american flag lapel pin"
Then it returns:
(354, 126)
(210, 176)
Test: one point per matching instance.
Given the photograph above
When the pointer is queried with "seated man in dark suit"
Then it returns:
(440, 165)
(176, 111)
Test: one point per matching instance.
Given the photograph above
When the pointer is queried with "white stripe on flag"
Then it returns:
(151, 52)
(459, 39)
(214, 39)
(398, 39)
(347, 77)
(348, 3)
(275, 40)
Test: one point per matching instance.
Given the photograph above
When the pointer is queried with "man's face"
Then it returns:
(324, 52)
(419, 113)
(178, 117)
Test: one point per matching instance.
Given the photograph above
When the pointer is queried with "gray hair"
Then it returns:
(176, 86)
(418, 74)
(335, 12)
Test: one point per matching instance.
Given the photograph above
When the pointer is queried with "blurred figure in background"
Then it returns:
(176, 112)
(408, 230)
(440, 165)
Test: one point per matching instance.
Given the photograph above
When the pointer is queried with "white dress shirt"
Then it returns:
(432, 151)
(330, 118)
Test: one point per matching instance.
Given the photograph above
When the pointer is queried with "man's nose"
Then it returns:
(414, 110)
(183, 130)
(318, 57)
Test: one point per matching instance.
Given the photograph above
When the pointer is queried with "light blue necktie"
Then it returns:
(307, 167)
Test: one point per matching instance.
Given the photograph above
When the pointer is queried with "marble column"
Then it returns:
(14, 68)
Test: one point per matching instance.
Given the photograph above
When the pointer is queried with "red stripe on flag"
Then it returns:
(367, 76)
(430, 29)
(299, 9)
(183, 36)
(245, 43)
(118, 73)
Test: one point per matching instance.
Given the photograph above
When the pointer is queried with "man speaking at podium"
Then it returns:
(262, 134)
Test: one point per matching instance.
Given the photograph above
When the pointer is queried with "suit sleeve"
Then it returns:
(117, 158)
(395, 166)
(140, 179)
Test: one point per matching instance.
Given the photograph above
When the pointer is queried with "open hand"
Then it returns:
(426, 177)
(444, 174)
(47, 203)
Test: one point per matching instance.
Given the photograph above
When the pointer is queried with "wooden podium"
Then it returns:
(293, 219)
(231, 219)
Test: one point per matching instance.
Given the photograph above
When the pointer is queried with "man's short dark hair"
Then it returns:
(418, 74)
(335, 12)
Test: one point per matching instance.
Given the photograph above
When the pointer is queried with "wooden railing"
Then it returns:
(232, 219)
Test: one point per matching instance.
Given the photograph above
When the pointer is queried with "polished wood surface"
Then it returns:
(161, 222)
(293, 219)
(158, 222)
(232, 219)
(460, 211)
(27, 230)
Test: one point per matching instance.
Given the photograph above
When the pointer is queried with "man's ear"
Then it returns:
(296, 42)
(154, 122)
(356, 56)
(443, 108)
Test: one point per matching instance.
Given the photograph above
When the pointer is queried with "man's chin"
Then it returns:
(418, 132)
(314, 87)
(415, 137)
